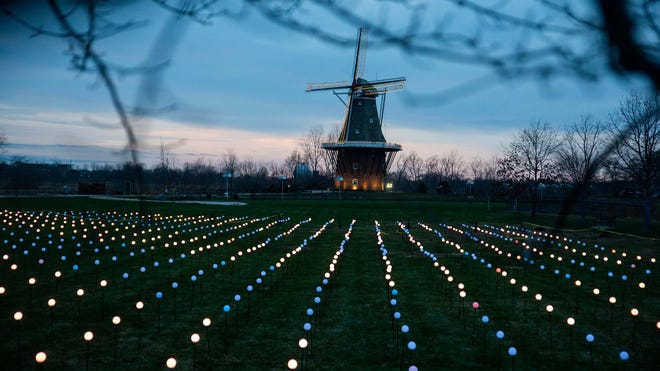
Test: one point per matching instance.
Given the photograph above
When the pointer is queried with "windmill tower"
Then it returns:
(361, 155)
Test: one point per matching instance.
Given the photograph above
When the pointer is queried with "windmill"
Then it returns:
(361, 155)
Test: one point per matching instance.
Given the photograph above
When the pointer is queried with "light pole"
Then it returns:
(226, 175)
(340, 180)
(282, 178)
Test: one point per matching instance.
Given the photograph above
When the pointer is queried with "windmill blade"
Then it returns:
(380, 86)
(315, 86)
(360, 54)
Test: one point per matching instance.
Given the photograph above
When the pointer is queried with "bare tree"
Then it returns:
(580, 149)
(312, 153)
(229, 161)
(328, 157)
(401, 169)
(290, 163)
(545, 38)
(415, 167)
(636, 127)
(451, 166)
(484, 176)
(530, 158)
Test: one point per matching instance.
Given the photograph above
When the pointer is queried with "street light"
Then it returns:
(340, 180)
(282, 178)
(226, 175)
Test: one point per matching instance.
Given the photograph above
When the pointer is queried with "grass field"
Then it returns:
(346, 276)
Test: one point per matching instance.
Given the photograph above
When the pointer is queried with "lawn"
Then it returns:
(387, 284)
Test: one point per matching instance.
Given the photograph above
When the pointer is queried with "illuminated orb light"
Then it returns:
(51, 302)
(116, 320)
(624, 355)
(302, 343)
(590, 338)
(88, 336)
(139, 305)
(18, 316)
(570, 321)
(40, 357)
(513, 351)
(194, 338)
(171, 362)
(549, 308)
(206, 322)
(292, 364)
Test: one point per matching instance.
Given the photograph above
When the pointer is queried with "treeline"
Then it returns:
(615, 157)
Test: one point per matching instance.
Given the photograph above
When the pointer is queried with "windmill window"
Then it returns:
(356, 165)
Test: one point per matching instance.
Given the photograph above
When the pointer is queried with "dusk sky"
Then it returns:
(240, 85)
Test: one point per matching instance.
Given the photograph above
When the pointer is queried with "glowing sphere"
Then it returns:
(206, 322)
(405, 329)
(139, 305)
(500, 334)
(623, 355)
(51, 302)
(116, 320)
(80, 292)
(549, 308)
(570, 321)
(194, 338)
(226, 308)
(302, 343)
(412, 345)
(40, 357)
(170, 363)
(292, 364)
(18, 316)
(612, 300)
(88, 336)
(590, 338)
(634, 312)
